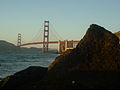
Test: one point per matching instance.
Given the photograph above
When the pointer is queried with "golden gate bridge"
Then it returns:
(63, 45)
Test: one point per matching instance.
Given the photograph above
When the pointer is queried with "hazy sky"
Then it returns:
(70, 18)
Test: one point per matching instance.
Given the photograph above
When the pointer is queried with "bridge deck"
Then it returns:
(50, 42)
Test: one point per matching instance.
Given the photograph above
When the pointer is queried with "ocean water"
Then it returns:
(12, 62)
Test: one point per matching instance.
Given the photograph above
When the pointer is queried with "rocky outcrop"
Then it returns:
(98, 50)
(118, 35)
(23, 79)
(93, 65)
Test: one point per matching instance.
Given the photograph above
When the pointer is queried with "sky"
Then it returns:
(70, 18)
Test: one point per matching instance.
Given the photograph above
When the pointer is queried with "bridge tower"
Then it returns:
(19, 40)
(46, 36)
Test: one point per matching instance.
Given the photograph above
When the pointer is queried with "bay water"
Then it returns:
(14, 61)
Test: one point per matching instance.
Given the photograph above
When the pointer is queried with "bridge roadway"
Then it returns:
(50, 42)
(62, 45)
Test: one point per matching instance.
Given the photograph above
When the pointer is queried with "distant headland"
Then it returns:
(7, 46)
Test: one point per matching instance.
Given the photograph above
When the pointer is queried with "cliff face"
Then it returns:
(93, 65)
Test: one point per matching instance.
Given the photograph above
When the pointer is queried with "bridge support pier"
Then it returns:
(64, 45)
(61, 46)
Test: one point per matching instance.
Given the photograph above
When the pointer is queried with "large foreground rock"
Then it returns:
(98, 50)
(93, 65)
(21, 80)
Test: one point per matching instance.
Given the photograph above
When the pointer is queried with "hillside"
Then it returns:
(7, 46)
(4, 45)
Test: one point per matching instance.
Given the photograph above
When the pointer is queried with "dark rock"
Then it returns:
(98, 50)
(1, 79)
(23, 78)
(93, 65)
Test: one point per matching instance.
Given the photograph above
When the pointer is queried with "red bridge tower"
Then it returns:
(46, 36)
(19, 40)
